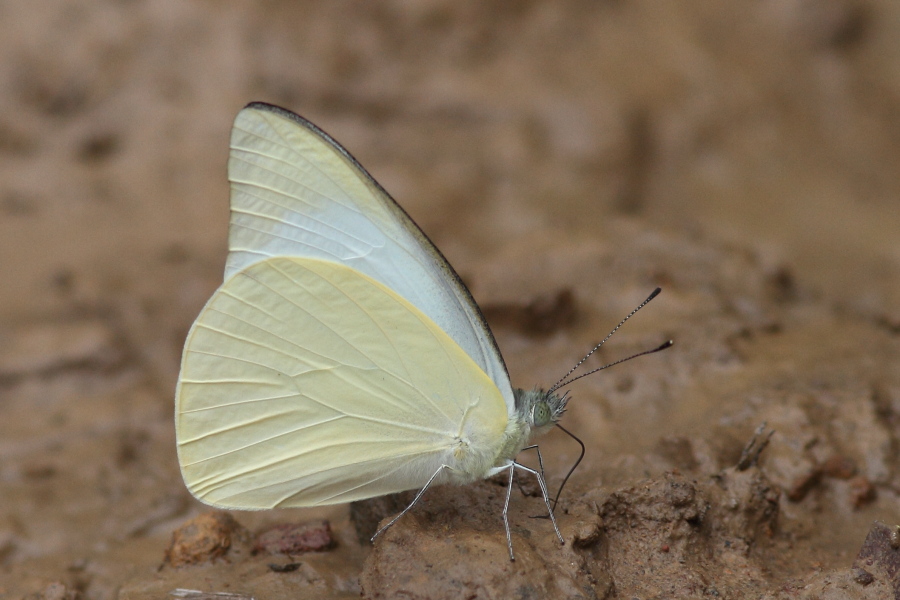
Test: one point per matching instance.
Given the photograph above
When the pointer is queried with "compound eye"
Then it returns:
(540, 415)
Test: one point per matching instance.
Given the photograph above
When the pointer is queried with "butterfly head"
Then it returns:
(539, 409)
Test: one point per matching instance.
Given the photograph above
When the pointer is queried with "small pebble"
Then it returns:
(861, 576)
(802, 485)
(862, 491)
(287, 568)
(587, 533)
(202, 539)
(295, 538)
(839, 467)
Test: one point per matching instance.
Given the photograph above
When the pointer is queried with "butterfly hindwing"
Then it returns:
(305, 382)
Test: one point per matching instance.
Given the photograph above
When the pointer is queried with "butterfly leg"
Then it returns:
(537, 449)
(505, 512)
(411, 504)
(543, 485)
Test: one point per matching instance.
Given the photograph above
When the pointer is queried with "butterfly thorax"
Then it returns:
(536, 412)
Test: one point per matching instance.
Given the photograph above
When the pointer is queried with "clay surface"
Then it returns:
(567, 158)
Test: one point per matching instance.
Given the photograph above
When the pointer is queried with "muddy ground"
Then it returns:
(567, 157)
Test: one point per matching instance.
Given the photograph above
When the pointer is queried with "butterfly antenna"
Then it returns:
(663, 346)
(562, 382)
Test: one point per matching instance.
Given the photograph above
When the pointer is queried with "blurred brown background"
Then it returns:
(766, 129)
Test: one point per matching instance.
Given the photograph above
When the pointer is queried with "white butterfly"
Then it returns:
(342, 358)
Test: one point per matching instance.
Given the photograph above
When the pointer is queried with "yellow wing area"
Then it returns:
(305, 382)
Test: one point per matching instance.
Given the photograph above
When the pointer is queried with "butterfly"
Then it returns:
(342, 358)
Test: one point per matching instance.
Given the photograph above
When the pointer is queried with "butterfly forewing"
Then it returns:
(295, 192)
